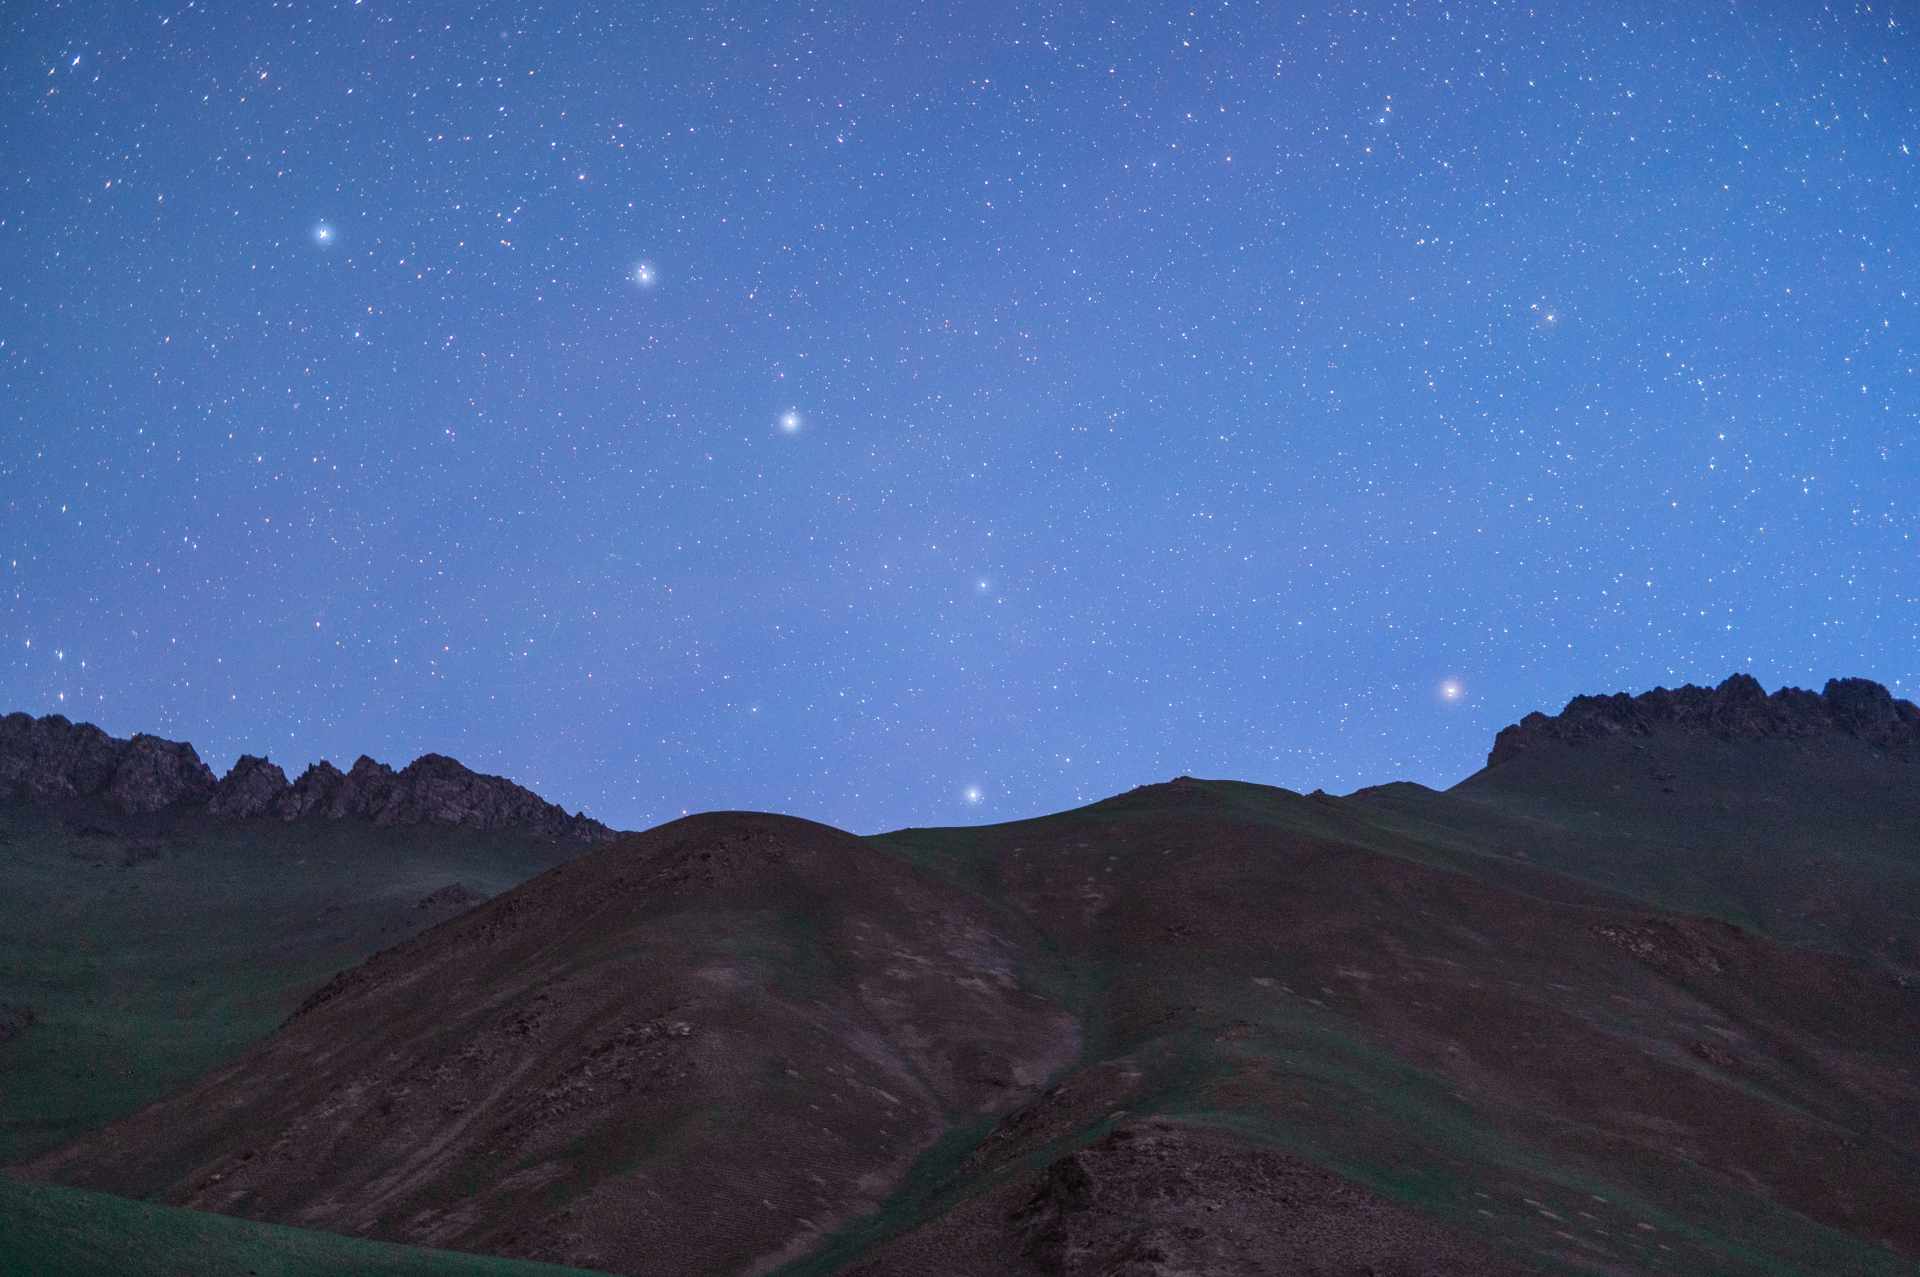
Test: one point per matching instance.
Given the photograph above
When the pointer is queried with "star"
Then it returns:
(790, 421)
(323, 234)
(643, 275)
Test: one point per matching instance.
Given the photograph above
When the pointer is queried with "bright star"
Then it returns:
(1451, 690)
(643, 275)
(790, 421)
(323, 234)
(973, 795)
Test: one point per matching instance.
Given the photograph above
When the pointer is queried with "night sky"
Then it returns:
(929, 414)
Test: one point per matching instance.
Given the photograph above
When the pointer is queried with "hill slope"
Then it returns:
(1534, 1024)
(138, 951)
(155, 921)
(64, 1232)
(732, 1010)
(1797, 815)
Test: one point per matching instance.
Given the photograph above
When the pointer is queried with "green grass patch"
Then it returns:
(136, 952)
(51, 1231)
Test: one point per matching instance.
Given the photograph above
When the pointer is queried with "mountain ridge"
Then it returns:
(53, 759)
(1738, 709)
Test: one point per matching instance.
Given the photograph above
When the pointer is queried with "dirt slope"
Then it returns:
(139, 950)
(698, 1050)
(1174, 1197)
(1490, 1040)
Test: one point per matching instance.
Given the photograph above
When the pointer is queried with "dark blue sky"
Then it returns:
(899, 414)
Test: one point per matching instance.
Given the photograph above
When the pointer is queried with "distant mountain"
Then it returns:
(52, 760)
(1634, 999)
(1795, 815)
(1737, 710)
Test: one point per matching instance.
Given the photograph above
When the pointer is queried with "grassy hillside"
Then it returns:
(1493, 1027)
(1816, 843)
(747, 1040)
(50, 1231)
(138, 951)
(1503, 1113)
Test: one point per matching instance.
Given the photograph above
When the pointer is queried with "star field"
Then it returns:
(897, 415)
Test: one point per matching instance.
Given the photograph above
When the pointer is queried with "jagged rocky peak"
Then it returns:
(333, 793)
(249, 789)
(1738, 709)
(50, 760)
(433, 789)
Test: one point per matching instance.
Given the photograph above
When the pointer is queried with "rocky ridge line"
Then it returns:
(51, 759)
(1738, 709)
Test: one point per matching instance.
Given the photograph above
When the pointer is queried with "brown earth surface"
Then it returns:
(1203, 1027)
(1172, 1197)
(734, 1011)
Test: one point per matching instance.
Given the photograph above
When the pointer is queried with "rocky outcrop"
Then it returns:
(436, 788)
(451, 898)
(250, 788)
(433, 789)
(333, 793)
(1738, 709)
(315, 788)
(155, 773)
(50, 759)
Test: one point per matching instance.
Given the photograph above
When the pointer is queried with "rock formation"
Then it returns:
(451, 898)
(333, 793)
(432, 789)
(249, 789)
(1738, 709)
(51, 759)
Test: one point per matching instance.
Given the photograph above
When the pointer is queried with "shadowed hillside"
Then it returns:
(51, 1231)
(138, 951)
(155, 921)
(1780, 813)
(1622, 1002)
